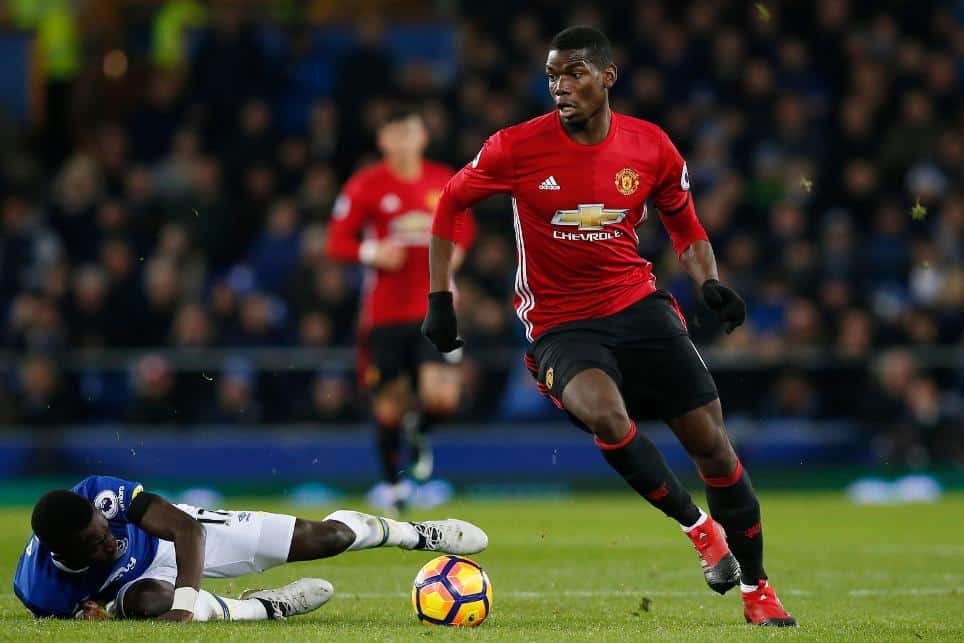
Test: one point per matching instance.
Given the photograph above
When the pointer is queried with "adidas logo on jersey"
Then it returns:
(549, 184)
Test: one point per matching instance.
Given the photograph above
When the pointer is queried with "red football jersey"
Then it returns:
(575, 211)
(377, 204)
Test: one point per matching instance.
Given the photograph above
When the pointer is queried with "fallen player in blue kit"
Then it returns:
(108, 542)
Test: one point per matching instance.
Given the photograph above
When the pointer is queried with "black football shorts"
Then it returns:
(394, 350)
(644, 348)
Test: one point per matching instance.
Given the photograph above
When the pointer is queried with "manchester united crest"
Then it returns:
(431, 199)
(549, 378)
(627, 180)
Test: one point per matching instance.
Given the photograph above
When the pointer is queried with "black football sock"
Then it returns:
(389, 442)
(733, 504)
(427, 421)
(641, 465)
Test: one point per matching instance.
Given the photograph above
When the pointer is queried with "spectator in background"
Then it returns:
(235, 403)
(792, 397)
(91, 323)
(26, 245)
(911, 137)
(214, 218)
(117, 258)
(223, 302)
(292, 160)
(175, 245)
(259, 190)
(112, 218)
(19, 315)
(192, 328)
(143, 206)
(321, 291)
(255, 142)
(44, 398)
(332, 399)
(154, 400)
(157, 117)
(174, 174)
(112, 156)
(316, 330)
(275, 253)
(318, 192)
(162, 292)
(323, 129)
(77, 192)
(261, 321)
(886, 414)
(38, 325)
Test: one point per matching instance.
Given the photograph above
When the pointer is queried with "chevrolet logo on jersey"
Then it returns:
(589, 216)
(413, 228)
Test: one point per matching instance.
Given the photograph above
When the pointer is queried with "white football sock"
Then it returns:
(376, 531)
(217, 608)
(696, 524)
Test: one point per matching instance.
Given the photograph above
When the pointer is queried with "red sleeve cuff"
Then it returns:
(684, 228)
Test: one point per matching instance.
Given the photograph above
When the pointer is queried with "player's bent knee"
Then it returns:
(610, 425)
(332, 537)
(337, 536)
(721, 463)
(148, 598)
(388, 411)
(716, 458)
(440, 404)
(319, 539)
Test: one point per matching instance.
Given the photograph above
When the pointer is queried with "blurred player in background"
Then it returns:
(382, 220)
(606, 345)
(107, 541)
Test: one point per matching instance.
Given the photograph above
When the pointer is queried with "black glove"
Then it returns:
(440, 325)
(725, 302)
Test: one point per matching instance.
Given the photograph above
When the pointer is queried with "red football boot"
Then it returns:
(762, 607)
(720, 568)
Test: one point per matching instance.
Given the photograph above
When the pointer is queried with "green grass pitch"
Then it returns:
(582, 568)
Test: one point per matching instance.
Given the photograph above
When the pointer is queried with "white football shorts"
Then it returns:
(237, 543)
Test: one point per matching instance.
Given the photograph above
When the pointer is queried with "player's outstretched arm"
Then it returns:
(678, 215)
(440, 325)
(488, 173)
(164, 520)
(700, 263)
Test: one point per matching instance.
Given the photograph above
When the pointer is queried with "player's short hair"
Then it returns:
(60, 515)
(400, 111)
(599, 50)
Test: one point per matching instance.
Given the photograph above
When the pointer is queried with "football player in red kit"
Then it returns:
(606, 345)
(383, 219)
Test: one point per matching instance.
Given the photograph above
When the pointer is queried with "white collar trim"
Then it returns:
(59, 565)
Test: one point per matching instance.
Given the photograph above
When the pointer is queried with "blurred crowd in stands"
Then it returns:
(177, 192)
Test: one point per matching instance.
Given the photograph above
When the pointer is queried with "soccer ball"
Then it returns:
(452, 590)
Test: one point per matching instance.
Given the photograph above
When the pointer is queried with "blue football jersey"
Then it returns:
(48, 588)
